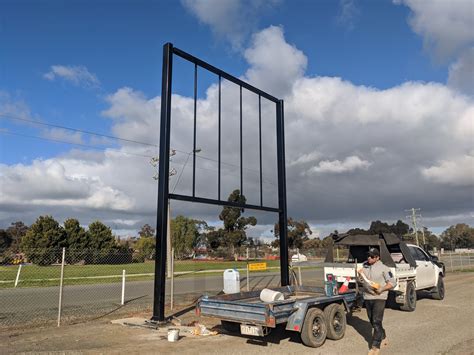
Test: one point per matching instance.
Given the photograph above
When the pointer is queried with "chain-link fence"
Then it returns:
(92, 282)
(39, 286)
(121, 282)
(457, 261)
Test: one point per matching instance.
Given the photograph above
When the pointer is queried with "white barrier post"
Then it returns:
(61, 287)
(18, 275)
(248, 279)
(172, 278)
(300, 282)
(123, 287)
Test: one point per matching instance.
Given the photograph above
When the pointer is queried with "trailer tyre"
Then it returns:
(314, 329)
(438, 292)
(231, 327)
(410, 298)
(336, 321)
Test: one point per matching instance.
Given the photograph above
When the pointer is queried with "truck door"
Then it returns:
(430, 269)
(425, 272)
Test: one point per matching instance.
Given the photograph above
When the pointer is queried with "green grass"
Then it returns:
(40, 276)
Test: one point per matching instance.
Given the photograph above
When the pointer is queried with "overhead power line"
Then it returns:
(72, 143)
(46, 124)
(10, 117)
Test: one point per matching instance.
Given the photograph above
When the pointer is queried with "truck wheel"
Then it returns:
(314, 329)
(410, 298)
(231, 327)
(336, 321)
(438, 292)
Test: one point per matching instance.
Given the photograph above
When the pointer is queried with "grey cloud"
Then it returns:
(461, 73)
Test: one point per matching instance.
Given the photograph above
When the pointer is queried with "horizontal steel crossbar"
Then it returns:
(223, 74)
(221, 203)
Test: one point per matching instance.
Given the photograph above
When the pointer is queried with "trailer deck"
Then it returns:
(256, 316)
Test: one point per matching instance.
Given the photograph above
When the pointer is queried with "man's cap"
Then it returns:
(373, 252)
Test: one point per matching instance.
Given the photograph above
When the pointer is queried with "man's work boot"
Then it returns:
(374, 351)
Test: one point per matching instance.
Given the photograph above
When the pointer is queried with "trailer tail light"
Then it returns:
(296, 327)
(198, 311)
(270, 322)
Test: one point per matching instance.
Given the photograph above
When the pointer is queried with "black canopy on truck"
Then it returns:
(359, 244)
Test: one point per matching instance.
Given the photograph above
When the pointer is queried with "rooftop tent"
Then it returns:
(359, 245)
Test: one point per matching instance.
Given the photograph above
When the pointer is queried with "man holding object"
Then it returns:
(378, 279)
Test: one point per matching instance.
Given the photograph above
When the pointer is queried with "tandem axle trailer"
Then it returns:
(306, 310)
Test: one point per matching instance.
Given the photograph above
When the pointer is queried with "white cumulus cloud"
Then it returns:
(78, 75)
(349, 164)
(305, 158)
(232, 20)
(446, 26)
(389, 133)
(457, 171)
(275, 65)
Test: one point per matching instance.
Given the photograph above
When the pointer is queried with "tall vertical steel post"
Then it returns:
(163, 187)
(282, 215)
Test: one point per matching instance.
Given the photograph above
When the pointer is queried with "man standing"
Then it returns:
(377, 281)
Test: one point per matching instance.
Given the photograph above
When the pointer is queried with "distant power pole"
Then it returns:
(414, 219)
(154, 162)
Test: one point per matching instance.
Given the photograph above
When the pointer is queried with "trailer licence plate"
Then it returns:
(254, 330)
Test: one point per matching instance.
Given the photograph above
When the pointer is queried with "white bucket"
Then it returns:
(173, 334)
(268, 295)
(231, 281)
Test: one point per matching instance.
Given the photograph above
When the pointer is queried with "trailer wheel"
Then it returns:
(314, 329)
(438, 292)
(410, 298)
(231, 327)
(336, 321)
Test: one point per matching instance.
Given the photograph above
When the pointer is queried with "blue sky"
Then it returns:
(96, 66)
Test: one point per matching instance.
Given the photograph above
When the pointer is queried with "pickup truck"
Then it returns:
(306, 310)
(413, 268)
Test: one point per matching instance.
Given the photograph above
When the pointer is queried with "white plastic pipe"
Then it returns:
(18, 275)
(61, 287)
(123, 287)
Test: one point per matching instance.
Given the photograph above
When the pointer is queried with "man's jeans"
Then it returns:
(375, 309)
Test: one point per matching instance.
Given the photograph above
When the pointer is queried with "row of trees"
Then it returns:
(41, 242)
(457, 236)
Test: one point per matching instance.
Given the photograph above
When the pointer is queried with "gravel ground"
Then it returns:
(436, 327)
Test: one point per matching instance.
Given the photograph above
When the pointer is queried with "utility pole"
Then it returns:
(414, 216)
(154, 162)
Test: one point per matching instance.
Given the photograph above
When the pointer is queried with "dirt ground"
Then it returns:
(436, 327)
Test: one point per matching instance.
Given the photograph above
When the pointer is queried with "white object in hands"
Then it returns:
(372, 284)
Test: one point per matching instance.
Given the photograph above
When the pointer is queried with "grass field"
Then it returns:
(33, 275)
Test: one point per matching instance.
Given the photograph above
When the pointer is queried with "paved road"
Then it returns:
(436, 327)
